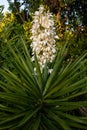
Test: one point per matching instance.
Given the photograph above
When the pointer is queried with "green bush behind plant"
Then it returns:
(77, 46)
(9, 32)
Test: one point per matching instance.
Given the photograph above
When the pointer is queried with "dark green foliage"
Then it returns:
(23, 9)
(9, 31)
(1, 12)
(77, 45)
(41, 101)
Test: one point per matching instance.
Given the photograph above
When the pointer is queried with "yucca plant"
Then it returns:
(35, 100)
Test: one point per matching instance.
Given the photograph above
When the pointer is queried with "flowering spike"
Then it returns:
(43, 37)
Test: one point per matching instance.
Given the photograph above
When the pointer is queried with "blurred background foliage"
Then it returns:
(9, 29)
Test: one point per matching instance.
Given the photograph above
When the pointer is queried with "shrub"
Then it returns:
(41, 101)
(8, 32)
(31, 96)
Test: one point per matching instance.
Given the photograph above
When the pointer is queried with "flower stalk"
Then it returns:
(43, 37)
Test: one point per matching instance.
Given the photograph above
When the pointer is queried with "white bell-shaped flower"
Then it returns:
(43, 37)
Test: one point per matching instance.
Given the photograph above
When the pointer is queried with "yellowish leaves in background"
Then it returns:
(8, 18)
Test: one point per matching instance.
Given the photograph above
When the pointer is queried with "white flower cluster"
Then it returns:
(43, 37)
